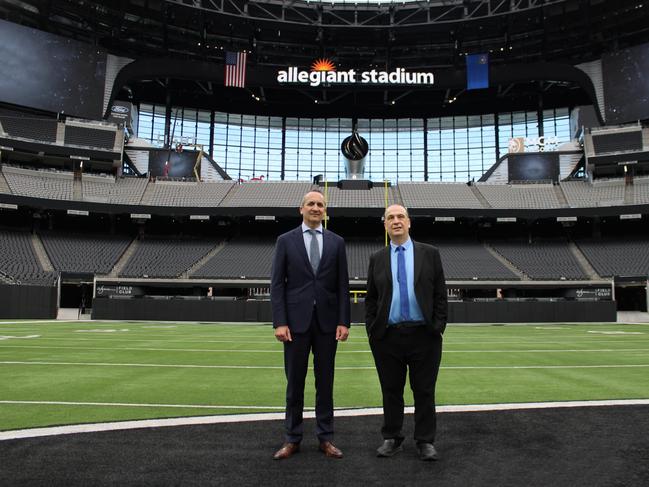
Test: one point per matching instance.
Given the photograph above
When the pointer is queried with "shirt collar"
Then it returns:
(406, 245)
(306, 228)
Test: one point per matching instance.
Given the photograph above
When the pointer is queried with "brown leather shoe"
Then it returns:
(286, 451)
(330, 450)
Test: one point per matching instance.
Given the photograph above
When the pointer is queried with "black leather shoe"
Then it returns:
(427, 452)
(389, 448)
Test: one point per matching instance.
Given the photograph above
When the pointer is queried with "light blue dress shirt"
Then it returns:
(395, 306)
(307, 238)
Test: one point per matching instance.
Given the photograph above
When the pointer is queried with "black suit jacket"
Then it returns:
(430, 290)
(294, 288)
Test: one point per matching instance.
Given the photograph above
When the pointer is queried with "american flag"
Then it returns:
(235, 69)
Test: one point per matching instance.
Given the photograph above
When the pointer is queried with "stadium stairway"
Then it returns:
(396, 194)
(632, 317)
(72, 314)
(629, 194)
(77, 189)
(561, 196)
(41, 253)
(588, 269)
(4, 186)
(200, 263)
(60, 134)
(148, 194)
(506, 263)
(122, 261)
(483, 201)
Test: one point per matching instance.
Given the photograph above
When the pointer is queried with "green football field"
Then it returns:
(55, 373)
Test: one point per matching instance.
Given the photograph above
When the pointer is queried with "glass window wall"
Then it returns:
(459, 148)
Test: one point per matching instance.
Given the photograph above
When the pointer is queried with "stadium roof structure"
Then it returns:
(179, 48)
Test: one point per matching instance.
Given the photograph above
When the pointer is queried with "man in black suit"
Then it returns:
(405, 317)
(310, 301)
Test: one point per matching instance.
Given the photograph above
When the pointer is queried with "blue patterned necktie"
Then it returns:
(403, 284)
(314, 251)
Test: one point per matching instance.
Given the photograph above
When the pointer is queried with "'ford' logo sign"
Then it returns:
(119, 109)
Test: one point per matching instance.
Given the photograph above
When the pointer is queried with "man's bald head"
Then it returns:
(397, 223)
(313, 209)
(311, 194)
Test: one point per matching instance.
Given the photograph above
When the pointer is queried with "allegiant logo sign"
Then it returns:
(323, 72)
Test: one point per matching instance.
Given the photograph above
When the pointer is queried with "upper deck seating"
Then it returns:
(532, 196)
(438, 195)
(267, 194)
(53, 185)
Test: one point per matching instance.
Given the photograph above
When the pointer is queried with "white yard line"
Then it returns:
(239, 418)
(265, 323)
(148, 349)
(270, 367)
(590, 338)
(143, 405)
(280, 350)
(179, 366)
(135, 322)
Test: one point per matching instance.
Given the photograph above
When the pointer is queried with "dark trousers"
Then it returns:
(420, 352)
(296, 362)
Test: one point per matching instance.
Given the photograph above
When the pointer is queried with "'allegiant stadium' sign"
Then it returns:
(398, 76)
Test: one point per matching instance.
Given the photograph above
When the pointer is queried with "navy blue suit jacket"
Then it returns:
(294, 287)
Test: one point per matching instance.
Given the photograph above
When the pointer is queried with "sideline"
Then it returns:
(238, 418)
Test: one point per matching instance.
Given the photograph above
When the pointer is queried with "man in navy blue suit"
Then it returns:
(310, 301)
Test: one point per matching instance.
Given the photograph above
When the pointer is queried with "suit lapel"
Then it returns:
(326, 247)
(387, 263)
(418, 262)
(298, 241)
